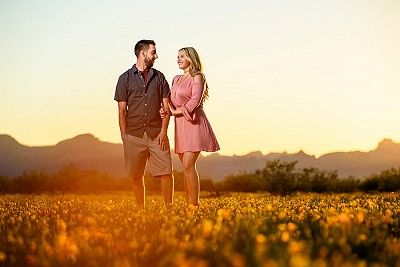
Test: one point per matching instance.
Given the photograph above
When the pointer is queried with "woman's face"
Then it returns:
(183, 63)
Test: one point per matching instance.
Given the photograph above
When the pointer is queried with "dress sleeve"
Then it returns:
(189, 107)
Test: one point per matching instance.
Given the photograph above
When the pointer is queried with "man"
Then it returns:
(140, 93)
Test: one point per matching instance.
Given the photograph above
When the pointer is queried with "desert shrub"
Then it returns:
(386, 181)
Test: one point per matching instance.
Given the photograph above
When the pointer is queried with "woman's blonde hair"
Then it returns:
(195, 68)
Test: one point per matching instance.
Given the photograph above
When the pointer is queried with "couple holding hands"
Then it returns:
(145, 104)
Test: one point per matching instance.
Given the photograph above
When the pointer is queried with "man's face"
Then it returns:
(150, 56)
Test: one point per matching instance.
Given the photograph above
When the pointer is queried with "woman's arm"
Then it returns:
(197, 93)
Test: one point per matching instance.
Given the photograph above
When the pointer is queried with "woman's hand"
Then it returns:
(174, 111)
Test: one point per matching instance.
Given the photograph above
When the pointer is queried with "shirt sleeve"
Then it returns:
(166, 92)
(121, 88)
(189, 107)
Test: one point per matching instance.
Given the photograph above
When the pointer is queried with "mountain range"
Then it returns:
(89, 153)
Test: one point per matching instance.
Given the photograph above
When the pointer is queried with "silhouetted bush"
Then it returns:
(207, 184)
(318, 181)
(179, 181)
(347, 185)
(279, 177)
(242, 183)
(67, 179)
(5, 184)
(31, 182)
(387, 180)
(370, 184)
(276, 177)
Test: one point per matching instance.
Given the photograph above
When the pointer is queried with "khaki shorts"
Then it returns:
(138, 150)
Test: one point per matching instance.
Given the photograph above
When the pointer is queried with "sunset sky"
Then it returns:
(284, 75)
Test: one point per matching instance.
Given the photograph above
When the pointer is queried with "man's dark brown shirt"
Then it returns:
(143, 100)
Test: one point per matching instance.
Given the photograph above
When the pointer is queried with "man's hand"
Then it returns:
(163, 113)
(162, 140)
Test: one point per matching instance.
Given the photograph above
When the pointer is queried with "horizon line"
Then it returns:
(217, 152)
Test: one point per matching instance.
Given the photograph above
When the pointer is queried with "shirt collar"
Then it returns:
(135, 70)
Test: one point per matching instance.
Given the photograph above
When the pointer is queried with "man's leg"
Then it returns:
(167, 187)
(160, 162)
(136, 152)
(139, 190)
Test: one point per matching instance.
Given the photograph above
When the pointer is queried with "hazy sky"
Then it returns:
(313, 75)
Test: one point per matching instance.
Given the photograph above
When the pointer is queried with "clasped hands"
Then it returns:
(174, 111)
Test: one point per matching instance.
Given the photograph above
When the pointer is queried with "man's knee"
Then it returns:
(164, 176)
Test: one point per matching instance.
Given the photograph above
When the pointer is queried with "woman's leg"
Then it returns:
(184, 180)
(192, 179)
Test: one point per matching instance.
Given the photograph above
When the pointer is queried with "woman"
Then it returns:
(193, 132)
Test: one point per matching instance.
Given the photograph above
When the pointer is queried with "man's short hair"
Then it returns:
(143, 45)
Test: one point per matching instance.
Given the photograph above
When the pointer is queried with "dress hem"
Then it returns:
(196, 151)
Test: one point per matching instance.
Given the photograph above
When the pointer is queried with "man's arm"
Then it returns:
(122, 117)
(163, 137)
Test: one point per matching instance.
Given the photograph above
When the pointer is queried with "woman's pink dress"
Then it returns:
(193, 132)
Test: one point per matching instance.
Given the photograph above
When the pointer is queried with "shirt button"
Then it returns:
(145, 104)
(144, 123)
(145, 94)
(145, 114)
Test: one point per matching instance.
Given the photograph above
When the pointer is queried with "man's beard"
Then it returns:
(148, 62)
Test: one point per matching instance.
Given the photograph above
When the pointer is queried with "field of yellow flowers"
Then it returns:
(229, 230)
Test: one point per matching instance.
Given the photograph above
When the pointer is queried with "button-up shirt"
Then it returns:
(143, 100)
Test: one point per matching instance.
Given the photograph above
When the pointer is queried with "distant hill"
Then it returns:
(85, 151)
(88, 152)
